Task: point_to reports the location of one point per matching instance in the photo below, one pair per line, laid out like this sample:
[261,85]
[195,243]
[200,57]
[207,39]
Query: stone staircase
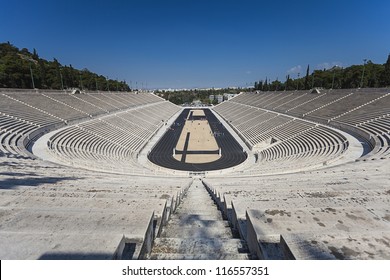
[196,231]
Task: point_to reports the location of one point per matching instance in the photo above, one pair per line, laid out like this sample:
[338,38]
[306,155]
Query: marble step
[211,256]
[190,205]
[197,220]
[189,246]
[186,231]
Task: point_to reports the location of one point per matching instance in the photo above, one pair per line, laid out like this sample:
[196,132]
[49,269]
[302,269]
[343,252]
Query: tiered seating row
[284,143]
[113,140]
[363,109]
[13,107]
[24,114]
[11,132]
[315,146]
[269,212]
[257,125]
[340,104]
[77,214]
[380,129]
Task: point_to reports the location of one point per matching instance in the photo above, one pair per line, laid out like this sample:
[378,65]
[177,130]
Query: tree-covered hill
[366,75]
[23,69]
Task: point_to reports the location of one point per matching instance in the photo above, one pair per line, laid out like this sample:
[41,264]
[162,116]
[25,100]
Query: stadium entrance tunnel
[197,141]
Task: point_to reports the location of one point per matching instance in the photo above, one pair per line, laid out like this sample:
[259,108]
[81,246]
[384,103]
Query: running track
[232,152]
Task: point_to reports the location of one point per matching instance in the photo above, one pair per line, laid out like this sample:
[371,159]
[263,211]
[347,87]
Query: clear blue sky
[199,43]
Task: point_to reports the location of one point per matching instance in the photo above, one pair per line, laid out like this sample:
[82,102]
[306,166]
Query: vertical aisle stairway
[196,231]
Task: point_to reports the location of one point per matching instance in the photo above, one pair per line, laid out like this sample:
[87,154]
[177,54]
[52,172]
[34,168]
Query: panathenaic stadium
[265,175]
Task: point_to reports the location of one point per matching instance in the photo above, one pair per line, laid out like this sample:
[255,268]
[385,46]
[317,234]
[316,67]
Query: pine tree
[35,54]
[287,82]
[307,77]
[386,73]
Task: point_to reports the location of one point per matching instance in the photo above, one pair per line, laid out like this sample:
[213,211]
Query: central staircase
[196,231]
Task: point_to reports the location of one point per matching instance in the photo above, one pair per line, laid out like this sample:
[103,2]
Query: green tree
[289,84]
[306,85]
[385,77]
[15,72]
[265,85]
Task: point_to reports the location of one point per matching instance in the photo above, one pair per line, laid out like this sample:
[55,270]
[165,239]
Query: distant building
[197,103]
[228,96]
[211,98]
[219,98]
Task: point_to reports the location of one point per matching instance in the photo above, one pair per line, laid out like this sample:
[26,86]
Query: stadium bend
[282,136]
[126,175]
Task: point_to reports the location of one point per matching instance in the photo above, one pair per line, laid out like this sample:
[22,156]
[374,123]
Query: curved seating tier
[282,142]
[317,146]
[362,112]
[26,115]
[112,141]
[51,211]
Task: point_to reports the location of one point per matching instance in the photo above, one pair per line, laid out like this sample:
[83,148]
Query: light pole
[62,82]
[298,81]
[32,77]
[81,82]
[29,59]
[364,64]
